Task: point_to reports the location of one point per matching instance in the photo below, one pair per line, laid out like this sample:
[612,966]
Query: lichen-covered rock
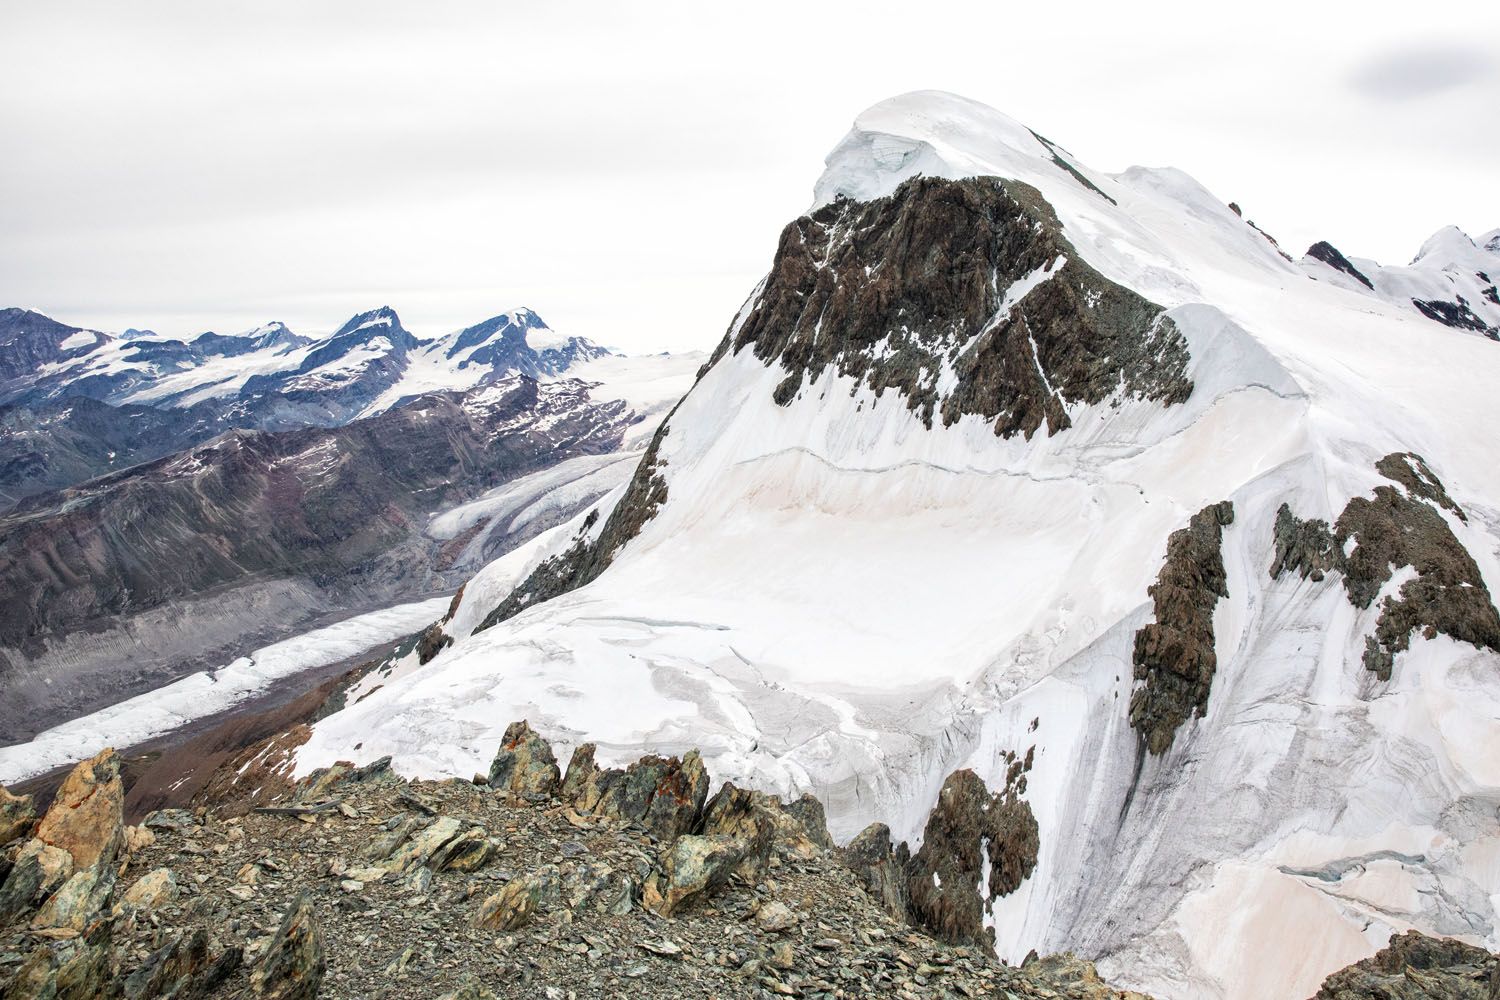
[468,852]
[521,900]
[293,964]
[422,844]
[880,866]
[72,969]
[1413,966]
[976,847]
[694,866]
[81,898]
[524,765]
[149,892]
[17,815]
[757,821]
[39,870]
[1175,658]
[86,817]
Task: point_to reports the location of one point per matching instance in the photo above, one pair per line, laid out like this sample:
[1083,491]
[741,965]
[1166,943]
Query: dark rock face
[1456,314]
[342,509]
[1175,658]
[977,847]
[895,291]
[1396,528]
[1329,254]
[1413,966]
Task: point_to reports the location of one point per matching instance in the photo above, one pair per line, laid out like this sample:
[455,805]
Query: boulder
[38,871]
[86,818]
[760,823]
[694,866]
[879,867]
[74,969]
[422,844]
[149,892]
[17,814]
[468,852]
[520,901]
[524,765]
[293,965]
[82,897]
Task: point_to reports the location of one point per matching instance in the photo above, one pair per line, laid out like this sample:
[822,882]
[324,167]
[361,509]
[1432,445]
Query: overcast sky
[624,168]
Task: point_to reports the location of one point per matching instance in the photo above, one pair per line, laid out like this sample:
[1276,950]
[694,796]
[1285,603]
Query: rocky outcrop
[1378,535]
[1174,656]
[1413,966]
[972,278]
[1329,254]
[339,869]
[524,765]
[1456,314]
[293,964]
[880,866]
[86,817]
[663,794]
[976,847]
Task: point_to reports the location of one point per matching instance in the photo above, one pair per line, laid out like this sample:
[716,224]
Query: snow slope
[837,598]
[1452,280]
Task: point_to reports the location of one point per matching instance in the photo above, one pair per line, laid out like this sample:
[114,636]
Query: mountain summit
[1074,480]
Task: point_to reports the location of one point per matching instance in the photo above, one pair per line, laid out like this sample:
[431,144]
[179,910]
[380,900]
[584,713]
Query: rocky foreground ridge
[529,882]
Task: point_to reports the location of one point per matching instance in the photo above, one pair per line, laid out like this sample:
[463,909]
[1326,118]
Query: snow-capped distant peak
[1446,246]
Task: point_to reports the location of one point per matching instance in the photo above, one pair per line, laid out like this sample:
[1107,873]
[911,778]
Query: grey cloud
[1422,71]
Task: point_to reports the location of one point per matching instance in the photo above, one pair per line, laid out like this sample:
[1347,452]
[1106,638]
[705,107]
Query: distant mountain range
[78,403]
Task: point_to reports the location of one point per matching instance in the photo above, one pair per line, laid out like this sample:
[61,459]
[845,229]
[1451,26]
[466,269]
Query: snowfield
[837,599]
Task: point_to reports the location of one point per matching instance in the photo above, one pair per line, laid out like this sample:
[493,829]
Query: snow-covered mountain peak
[1449,245]
[932,133]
